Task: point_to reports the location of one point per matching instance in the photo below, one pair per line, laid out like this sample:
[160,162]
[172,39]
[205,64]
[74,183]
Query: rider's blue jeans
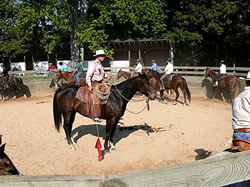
[78,75]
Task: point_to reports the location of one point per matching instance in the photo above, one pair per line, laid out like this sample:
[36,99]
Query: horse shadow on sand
[209,91]
[120,133]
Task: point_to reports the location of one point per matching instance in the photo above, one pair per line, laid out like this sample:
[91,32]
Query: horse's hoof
[72,146]
[175,103]
[14,97]
[107,151]
[25,96]
[185,104]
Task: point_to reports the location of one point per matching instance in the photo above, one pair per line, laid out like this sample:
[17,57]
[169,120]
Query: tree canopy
[203,31]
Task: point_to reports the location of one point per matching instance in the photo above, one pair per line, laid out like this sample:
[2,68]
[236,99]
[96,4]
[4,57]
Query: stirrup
[96,119]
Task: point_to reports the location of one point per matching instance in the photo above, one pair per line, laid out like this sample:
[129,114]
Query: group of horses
[65,104]
[173,81]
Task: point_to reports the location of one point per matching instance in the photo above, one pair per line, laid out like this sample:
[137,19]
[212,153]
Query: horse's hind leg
[69,118]
[184,95]
[177,96]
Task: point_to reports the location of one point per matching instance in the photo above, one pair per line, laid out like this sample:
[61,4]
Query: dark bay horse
[14,83]
[175,83]
[125,74]
[65,104]
[230,82]
[6,165]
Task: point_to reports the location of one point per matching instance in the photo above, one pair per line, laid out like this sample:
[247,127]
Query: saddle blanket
[83,94]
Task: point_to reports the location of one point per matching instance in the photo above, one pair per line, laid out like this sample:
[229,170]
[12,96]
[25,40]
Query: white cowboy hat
[248,76]
[100,52]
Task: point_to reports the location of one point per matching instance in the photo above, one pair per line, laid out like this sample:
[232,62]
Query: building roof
[135,44]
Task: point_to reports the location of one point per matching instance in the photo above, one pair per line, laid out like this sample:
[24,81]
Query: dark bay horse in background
[125,74]
[6,165]
[65,104]
[230,82]
[13,83]
[175,83]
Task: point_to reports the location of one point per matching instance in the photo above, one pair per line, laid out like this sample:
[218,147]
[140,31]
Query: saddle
[84,95]
[169,77]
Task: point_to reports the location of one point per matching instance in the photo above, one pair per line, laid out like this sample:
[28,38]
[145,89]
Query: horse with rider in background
[6,165]
[125,74]
[14,83]
[65,78]
[229,82]
[172,81]
[66,105]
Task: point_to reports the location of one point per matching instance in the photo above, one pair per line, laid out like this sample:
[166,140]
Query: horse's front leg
[109,125]
[2,95]
[161,95]
[213,96]
[113,133]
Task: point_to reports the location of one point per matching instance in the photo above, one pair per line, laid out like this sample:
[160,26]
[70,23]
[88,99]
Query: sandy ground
[166,135]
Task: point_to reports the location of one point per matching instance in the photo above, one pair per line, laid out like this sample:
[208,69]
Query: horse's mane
[127,81]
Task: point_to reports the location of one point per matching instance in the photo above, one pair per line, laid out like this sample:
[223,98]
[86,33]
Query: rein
[146,105]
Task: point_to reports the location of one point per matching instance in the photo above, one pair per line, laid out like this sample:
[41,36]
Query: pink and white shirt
[95,72]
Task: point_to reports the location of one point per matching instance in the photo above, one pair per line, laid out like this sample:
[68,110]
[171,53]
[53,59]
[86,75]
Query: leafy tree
[12,36]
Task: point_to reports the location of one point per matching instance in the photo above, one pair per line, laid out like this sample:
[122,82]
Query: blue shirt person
[154,66]
[62,67]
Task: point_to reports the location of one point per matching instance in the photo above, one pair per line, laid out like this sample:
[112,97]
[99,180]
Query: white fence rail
[182,70]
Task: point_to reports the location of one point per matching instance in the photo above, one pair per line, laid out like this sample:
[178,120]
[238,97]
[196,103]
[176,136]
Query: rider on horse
[95,76]
[223,73]
[78,71]
[154,66]
[168,70]
[5,75]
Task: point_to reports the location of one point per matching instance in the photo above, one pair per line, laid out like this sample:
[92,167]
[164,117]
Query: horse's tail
[56,111]
[186,89]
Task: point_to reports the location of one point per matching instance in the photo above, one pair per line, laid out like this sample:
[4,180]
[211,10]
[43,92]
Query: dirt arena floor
[166,135]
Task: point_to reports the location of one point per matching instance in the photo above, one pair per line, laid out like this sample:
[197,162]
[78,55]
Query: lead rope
[98,145]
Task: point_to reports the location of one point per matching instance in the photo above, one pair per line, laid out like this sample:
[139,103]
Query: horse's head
[209,73]
[58,76]
[119,74]
[6,165]
[145,87]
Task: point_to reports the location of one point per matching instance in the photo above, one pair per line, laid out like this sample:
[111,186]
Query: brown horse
[65,104]
[6,165]
[175,83]
[68,78]
[230,82]
[126,75]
